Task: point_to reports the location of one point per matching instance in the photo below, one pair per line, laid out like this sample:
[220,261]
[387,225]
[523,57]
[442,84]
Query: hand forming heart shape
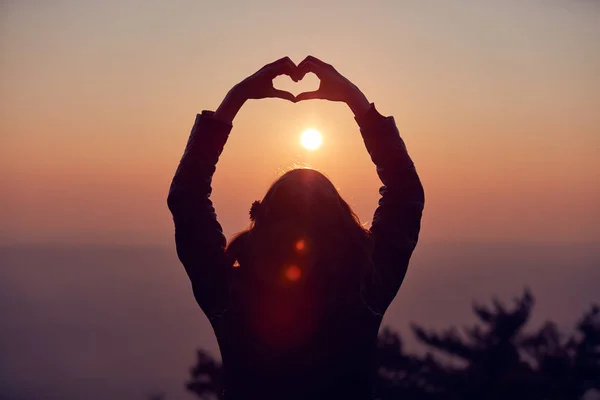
[309,82]
[333,86]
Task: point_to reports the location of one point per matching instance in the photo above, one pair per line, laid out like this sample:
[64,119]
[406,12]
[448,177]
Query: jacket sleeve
[397,219]
[198,235]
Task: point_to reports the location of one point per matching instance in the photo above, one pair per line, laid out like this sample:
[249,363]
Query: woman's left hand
[334,86]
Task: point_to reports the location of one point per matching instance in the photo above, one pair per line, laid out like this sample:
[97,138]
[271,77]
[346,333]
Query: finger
[316,94]
[285,59]
[316,68]
[316,61]
[282,94]
[308,66]
[283,66]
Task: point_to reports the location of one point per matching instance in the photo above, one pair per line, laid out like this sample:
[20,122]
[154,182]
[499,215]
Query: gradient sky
[498,103]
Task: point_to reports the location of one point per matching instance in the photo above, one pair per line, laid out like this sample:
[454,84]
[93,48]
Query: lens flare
[300,245]
[293,273]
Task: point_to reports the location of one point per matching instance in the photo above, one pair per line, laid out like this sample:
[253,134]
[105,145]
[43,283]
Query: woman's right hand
[260,84]
[257,86]
[334,86]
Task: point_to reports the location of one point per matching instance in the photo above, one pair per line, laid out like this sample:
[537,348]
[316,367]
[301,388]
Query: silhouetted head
[303,233]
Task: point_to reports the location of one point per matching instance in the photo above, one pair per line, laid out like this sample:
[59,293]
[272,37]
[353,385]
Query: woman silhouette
[297,299]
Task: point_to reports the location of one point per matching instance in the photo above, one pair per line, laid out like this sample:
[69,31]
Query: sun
[311,139]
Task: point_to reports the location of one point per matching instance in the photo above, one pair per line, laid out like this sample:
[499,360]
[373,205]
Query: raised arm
[198,235]
[397,220]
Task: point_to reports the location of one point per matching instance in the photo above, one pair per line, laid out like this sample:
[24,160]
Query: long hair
[303,234]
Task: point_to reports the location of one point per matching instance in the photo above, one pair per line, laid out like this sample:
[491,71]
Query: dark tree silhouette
[484,361]
[567,366]
[495,359]
[206,377]
[404,376]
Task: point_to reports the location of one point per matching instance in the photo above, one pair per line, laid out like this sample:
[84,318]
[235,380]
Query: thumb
[282,94]
[310,95]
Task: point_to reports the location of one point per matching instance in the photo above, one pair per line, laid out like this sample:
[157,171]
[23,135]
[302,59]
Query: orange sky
[498,106]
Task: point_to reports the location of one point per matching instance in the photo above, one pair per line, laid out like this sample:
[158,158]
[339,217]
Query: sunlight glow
[311,139]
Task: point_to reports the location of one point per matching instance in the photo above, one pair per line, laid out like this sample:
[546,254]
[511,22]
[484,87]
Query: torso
[293,344]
